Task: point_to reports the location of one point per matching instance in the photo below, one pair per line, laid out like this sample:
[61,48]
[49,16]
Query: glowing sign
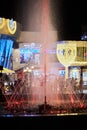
[28,54]
[8,26]
[12,26]
[2,23]
[66,53]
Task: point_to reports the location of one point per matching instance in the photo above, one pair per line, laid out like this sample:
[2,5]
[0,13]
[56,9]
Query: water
[29,99]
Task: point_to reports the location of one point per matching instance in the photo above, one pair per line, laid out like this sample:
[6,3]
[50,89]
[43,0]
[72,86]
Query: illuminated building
[73,55]
[9,33]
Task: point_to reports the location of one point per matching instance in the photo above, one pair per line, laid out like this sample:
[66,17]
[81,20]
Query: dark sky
[68,15]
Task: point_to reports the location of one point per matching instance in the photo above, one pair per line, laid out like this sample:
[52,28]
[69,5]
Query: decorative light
[27,69]
[84,36]
[12,26]
[2,22]
[32,67]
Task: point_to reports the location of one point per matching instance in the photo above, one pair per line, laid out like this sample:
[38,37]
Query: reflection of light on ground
[40,115]
[67,114]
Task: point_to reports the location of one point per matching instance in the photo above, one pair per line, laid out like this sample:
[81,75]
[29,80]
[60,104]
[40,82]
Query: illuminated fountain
[46,89]
[29,96]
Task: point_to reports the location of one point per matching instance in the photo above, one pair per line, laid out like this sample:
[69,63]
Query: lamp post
[28,78]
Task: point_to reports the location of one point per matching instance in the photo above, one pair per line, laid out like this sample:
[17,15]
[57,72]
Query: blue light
[84,36]
[6,45]
[7,115]
[35,51]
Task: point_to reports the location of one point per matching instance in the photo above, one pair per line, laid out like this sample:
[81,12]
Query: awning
[8,71]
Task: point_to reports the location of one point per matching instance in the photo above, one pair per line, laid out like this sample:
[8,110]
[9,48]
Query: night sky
[68,15]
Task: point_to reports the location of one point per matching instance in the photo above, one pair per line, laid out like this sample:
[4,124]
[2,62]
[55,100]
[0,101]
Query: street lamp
[28,81]
[28,71]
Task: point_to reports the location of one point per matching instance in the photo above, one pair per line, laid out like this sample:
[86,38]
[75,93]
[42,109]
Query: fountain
[60,96]
[46,92]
